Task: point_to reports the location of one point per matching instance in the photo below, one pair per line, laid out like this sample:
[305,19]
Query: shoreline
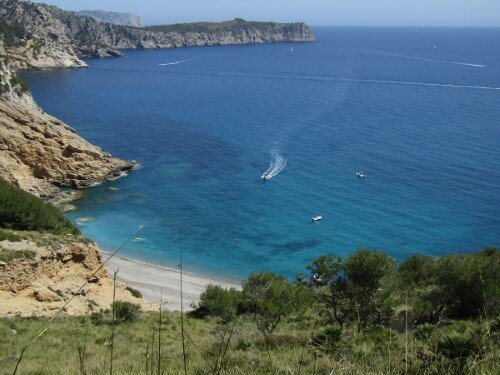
[157,282]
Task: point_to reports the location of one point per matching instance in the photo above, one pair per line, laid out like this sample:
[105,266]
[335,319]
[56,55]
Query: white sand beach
[154,281]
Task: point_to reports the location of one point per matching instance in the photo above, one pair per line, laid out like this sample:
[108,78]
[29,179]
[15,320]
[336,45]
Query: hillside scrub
[362,314]
[22,211]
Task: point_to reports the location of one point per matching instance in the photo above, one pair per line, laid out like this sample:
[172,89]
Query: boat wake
[278,163]
[418,58]
[176,62]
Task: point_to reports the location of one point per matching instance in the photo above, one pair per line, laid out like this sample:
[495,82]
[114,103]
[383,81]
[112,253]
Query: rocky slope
[125,19]
[39,153]
[41,285]
[55,38]
[43,43]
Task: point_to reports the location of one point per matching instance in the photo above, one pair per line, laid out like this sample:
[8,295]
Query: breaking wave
[278,162]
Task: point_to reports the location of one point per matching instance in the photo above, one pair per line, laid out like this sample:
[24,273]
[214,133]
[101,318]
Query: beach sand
[154,281]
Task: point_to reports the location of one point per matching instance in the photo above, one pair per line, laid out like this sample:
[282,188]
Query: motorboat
[265,177]
[316,218]
[360,174]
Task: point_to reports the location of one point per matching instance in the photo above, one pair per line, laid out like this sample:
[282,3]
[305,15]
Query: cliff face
[56,38]
[39,153]
[44,43]
[125,19]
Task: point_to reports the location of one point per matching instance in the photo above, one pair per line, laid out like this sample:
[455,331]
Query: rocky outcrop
[39,153]
[124,19]
[44,43]
[41,285]
[12,88]
[55,38]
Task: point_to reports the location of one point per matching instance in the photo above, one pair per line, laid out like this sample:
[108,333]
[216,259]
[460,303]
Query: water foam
[278,163]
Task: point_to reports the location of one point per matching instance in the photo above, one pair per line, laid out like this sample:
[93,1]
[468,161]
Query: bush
[456,346]
[417,270]
[12,33]
[465,286]
[244,344]
[219,302]
[328,338]
[126,311]
[270,298]
[367,272]
[16,81]
[9,236]
[424,331]
[8,256]
[134,292]
[23,211]
[97,318]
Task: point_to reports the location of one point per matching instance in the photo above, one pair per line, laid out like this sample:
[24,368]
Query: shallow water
[417,110]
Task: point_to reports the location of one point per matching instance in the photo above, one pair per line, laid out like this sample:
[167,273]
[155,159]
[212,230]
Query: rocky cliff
[125,19]
[55,38]
[40,41]
[39,153]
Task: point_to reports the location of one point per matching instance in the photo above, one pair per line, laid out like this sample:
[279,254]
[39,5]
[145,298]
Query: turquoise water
[417,110]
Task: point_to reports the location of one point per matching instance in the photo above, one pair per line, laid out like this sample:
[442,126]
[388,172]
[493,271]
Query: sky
[314,12]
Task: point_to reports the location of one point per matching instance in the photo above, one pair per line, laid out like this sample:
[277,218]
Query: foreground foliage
[23,211]
[76,345]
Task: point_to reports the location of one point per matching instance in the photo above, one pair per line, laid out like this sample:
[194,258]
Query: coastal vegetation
[237,26]
[12,33]
[23,211]
[361,314]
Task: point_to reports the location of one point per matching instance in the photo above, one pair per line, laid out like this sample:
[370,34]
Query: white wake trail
[176,62]
[418,58]
[278,162]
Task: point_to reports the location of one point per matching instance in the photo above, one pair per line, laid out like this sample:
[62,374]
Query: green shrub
[456,346]
[271,298]
[328,338]
[126,311]
[9,236]
[134,292]
[17,81]
[466,286]
[424,331]
[495,325]
[8,256]
[97,318]
[244,344]
[417,270]
[22,211]
[219,302]
[12,32]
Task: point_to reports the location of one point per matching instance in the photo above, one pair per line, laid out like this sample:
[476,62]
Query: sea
[416,111]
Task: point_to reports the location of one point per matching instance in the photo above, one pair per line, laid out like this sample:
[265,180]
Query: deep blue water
[402,105]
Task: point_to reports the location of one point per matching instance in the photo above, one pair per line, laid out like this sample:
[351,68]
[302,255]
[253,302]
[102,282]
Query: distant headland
[47,37]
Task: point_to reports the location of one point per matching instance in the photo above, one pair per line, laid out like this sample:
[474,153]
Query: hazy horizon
[445,13]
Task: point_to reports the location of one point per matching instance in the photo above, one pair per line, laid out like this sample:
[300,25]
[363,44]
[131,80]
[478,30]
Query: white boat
[265,177]
[316,218]
[360,174]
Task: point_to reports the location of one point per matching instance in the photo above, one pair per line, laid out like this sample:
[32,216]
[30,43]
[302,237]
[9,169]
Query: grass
[9,236]
[8,256]
[136,347]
